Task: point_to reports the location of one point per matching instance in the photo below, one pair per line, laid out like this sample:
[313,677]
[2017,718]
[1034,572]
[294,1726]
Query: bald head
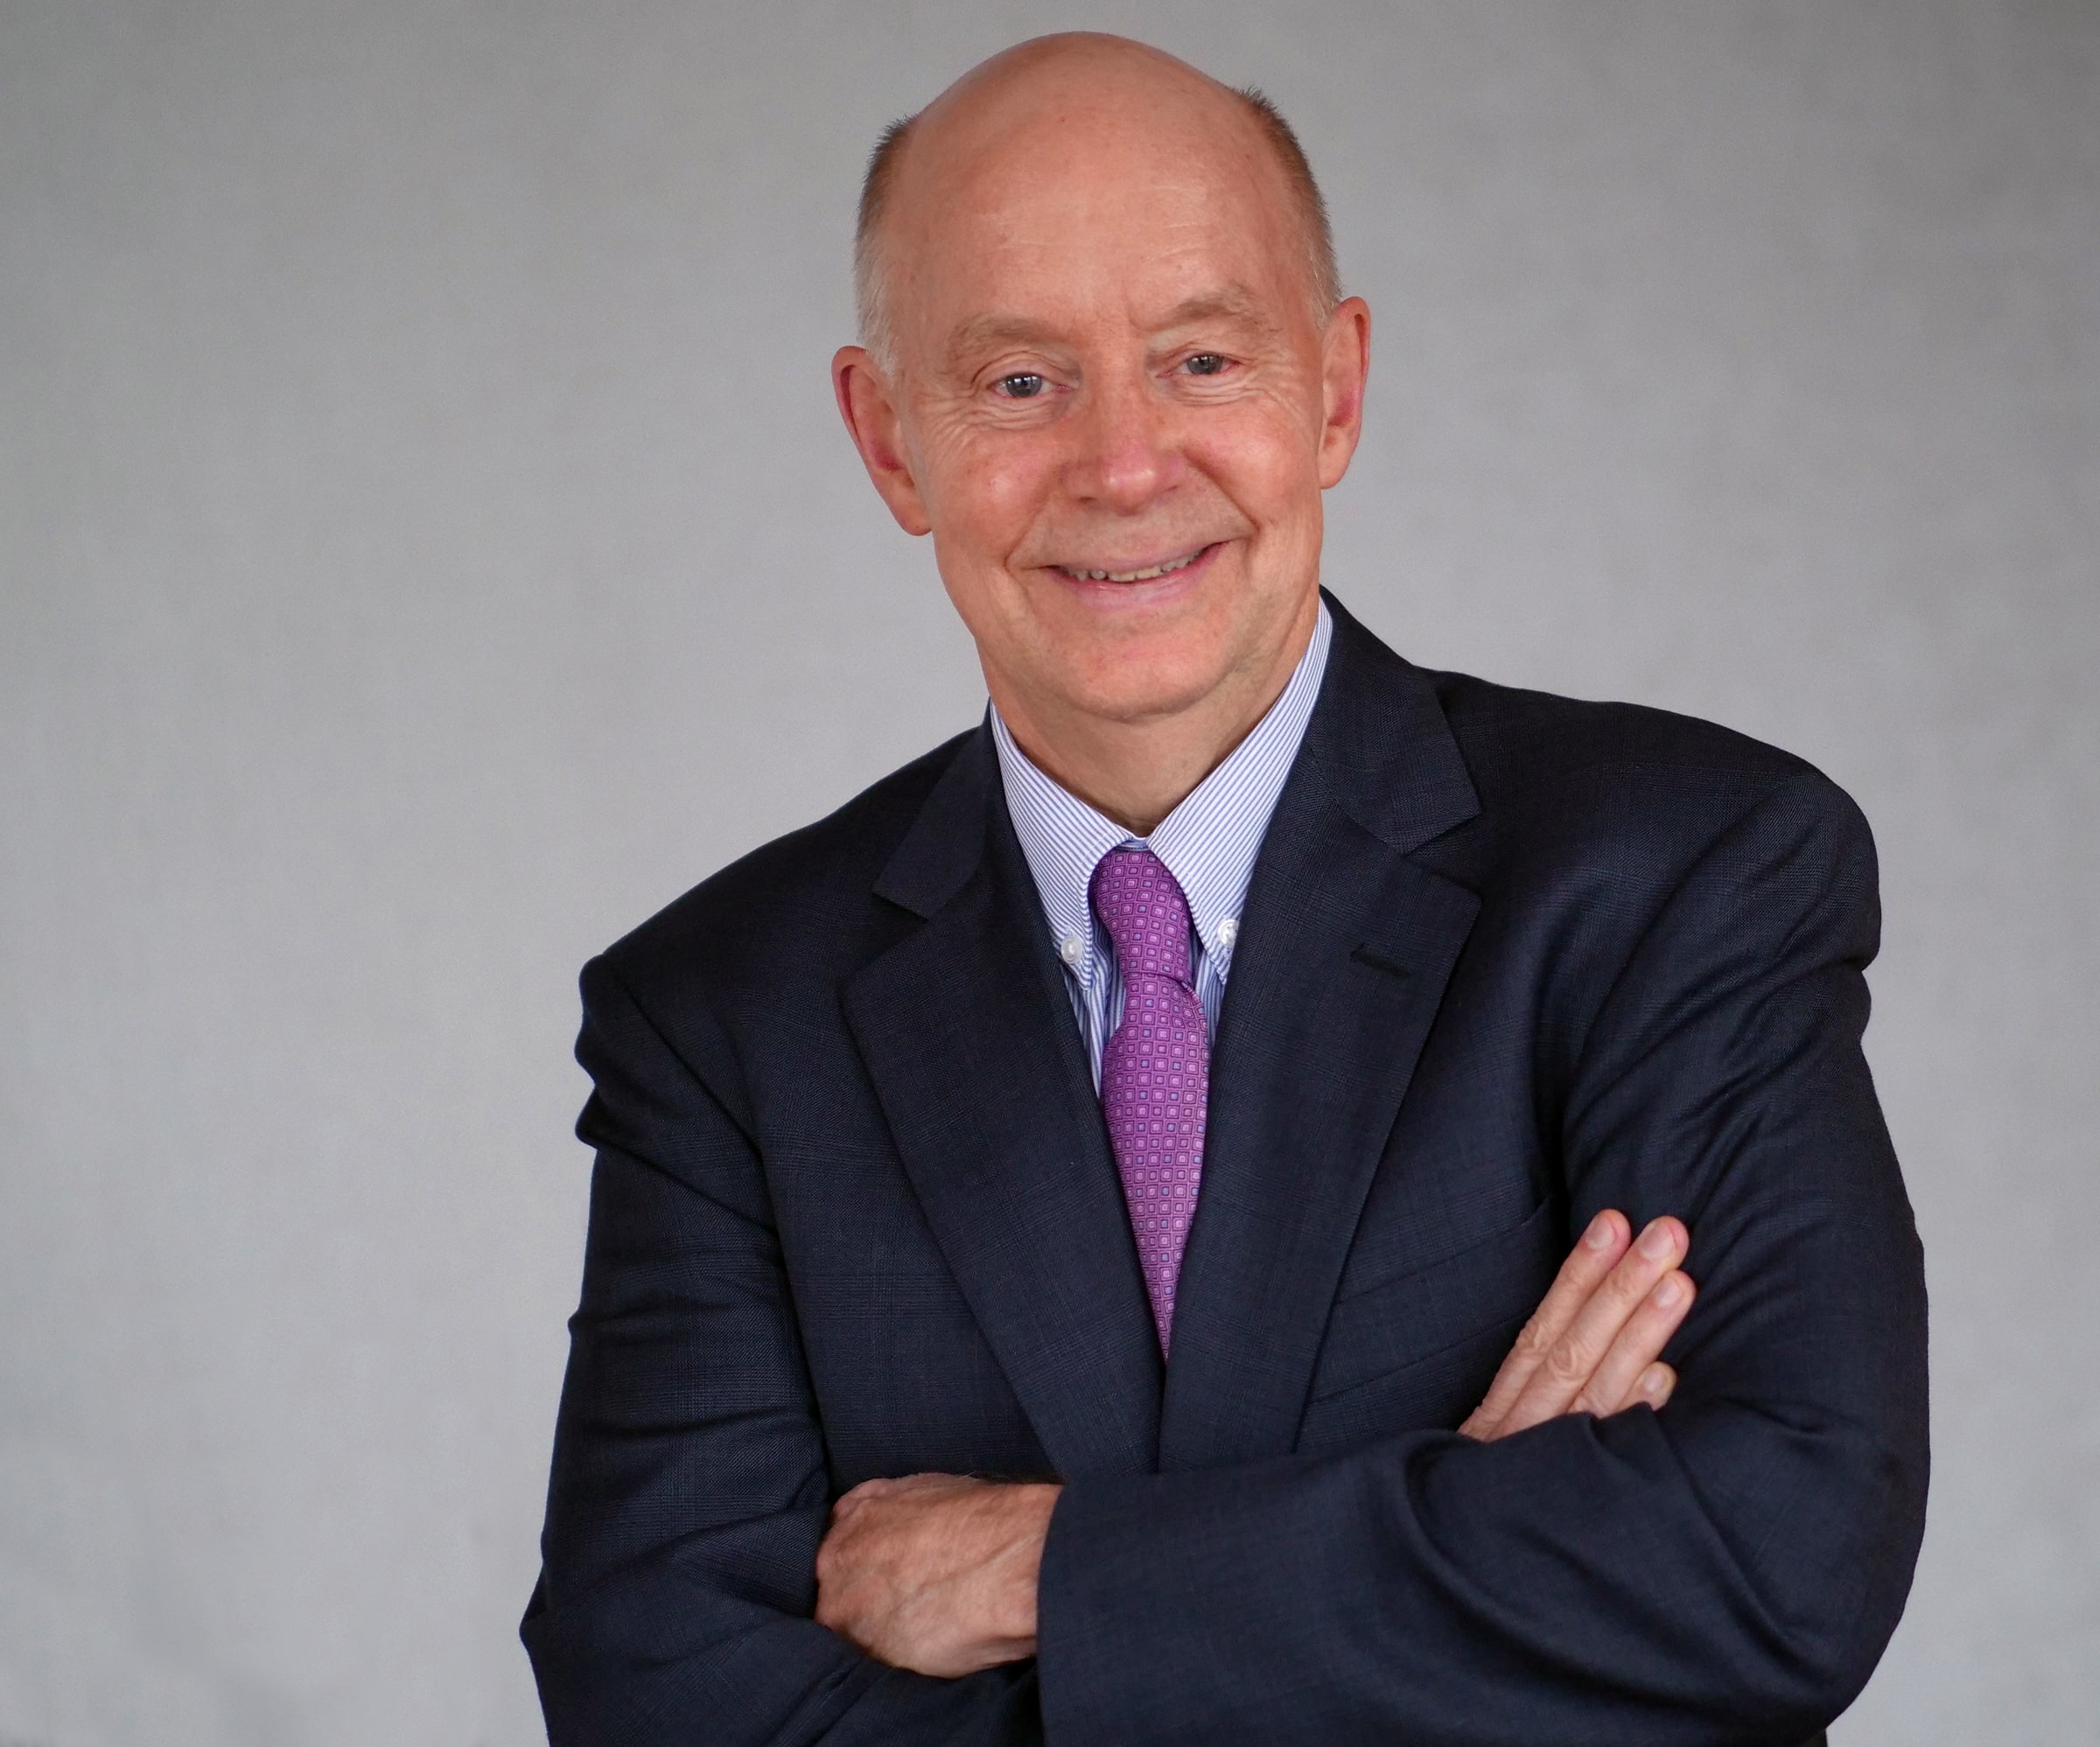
[1021,101]
[1107,371]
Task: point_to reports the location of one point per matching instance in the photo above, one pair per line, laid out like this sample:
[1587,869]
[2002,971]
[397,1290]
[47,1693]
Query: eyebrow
[1228,303]
[986,334]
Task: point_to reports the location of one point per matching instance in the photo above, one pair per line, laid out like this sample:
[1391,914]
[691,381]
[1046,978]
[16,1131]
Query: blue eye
[1206,364]
[1025,386]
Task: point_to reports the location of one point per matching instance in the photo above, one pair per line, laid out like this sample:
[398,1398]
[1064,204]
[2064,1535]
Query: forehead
[1085,210]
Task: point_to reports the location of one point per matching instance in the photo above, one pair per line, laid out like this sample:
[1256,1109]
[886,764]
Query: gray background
[427,547]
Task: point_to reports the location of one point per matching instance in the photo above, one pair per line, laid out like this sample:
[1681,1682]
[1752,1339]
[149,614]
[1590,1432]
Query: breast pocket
[1433,1328]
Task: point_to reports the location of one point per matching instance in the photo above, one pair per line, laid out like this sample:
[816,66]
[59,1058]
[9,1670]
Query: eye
[1023,385]
[1205,363]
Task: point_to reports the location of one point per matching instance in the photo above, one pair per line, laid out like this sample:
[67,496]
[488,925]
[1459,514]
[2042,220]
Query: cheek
[984,495]
[1264,460]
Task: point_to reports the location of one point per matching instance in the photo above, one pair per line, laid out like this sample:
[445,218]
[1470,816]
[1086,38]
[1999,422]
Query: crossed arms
[1729,1570]
[938,1573]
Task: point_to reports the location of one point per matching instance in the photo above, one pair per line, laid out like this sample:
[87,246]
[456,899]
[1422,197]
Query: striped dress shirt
[1208,842]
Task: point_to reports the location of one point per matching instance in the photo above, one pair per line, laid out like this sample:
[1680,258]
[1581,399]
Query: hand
[935,1572]
[1593,1345]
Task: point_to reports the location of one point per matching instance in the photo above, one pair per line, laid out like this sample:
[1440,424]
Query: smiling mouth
[1080,574]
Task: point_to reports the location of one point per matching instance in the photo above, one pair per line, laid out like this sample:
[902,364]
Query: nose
[1125,457]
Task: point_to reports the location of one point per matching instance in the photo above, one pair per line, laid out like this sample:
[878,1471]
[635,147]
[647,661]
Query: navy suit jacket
[1506,960]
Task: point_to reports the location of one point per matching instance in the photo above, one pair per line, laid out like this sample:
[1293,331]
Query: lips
[1144,574]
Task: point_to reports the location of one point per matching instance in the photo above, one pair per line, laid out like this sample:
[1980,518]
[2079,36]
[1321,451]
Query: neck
[1137,770]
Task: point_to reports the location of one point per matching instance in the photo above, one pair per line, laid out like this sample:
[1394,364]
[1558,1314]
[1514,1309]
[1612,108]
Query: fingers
[1615,1382]
[936,1573]
[1587,1266]
[856,1500]
[1569,1364]
[1657,1383]
[855,1496]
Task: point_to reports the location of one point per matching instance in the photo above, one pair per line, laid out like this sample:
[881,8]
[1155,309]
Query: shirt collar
[1208,842]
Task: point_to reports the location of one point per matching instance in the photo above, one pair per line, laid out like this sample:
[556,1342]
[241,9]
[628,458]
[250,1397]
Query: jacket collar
[1343,954]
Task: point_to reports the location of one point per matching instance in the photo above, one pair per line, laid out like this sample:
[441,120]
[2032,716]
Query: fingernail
[1599,1234]
[1670,1292]
[1657,1241]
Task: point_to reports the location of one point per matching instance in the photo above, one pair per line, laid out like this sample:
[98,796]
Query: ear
[868,404]
[1345,365]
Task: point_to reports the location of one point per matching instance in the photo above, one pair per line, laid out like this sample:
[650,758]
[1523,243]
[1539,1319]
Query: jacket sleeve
[688,1490]
[1728,1571]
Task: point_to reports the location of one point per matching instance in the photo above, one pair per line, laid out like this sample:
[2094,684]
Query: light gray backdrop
[427,547]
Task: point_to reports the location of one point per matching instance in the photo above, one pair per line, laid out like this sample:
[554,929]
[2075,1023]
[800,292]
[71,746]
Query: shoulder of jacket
[791,882]
[1642,785]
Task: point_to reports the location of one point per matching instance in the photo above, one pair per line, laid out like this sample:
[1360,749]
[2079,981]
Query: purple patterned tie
[1155,1069]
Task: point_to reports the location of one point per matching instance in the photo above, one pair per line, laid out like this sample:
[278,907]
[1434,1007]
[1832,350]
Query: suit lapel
[1346,946]
[966,1031]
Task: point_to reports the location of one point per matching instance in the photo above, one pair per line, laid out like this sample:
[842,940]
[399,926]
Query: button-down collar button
[1072,949]
[1228,931]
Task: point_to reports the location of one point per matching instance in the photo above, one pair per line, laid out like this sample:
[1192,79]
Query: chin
[1132,690]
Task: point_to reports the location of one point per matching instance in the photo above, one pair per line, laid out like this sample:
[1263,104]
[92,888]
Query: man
[1061,1223]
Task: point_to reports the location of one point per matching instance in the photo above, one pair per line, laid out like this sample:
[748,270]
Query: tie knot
[1141,905]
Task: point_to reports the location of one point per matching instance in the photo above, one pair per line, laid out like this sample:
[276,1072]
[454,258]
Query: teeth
[1168,568]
